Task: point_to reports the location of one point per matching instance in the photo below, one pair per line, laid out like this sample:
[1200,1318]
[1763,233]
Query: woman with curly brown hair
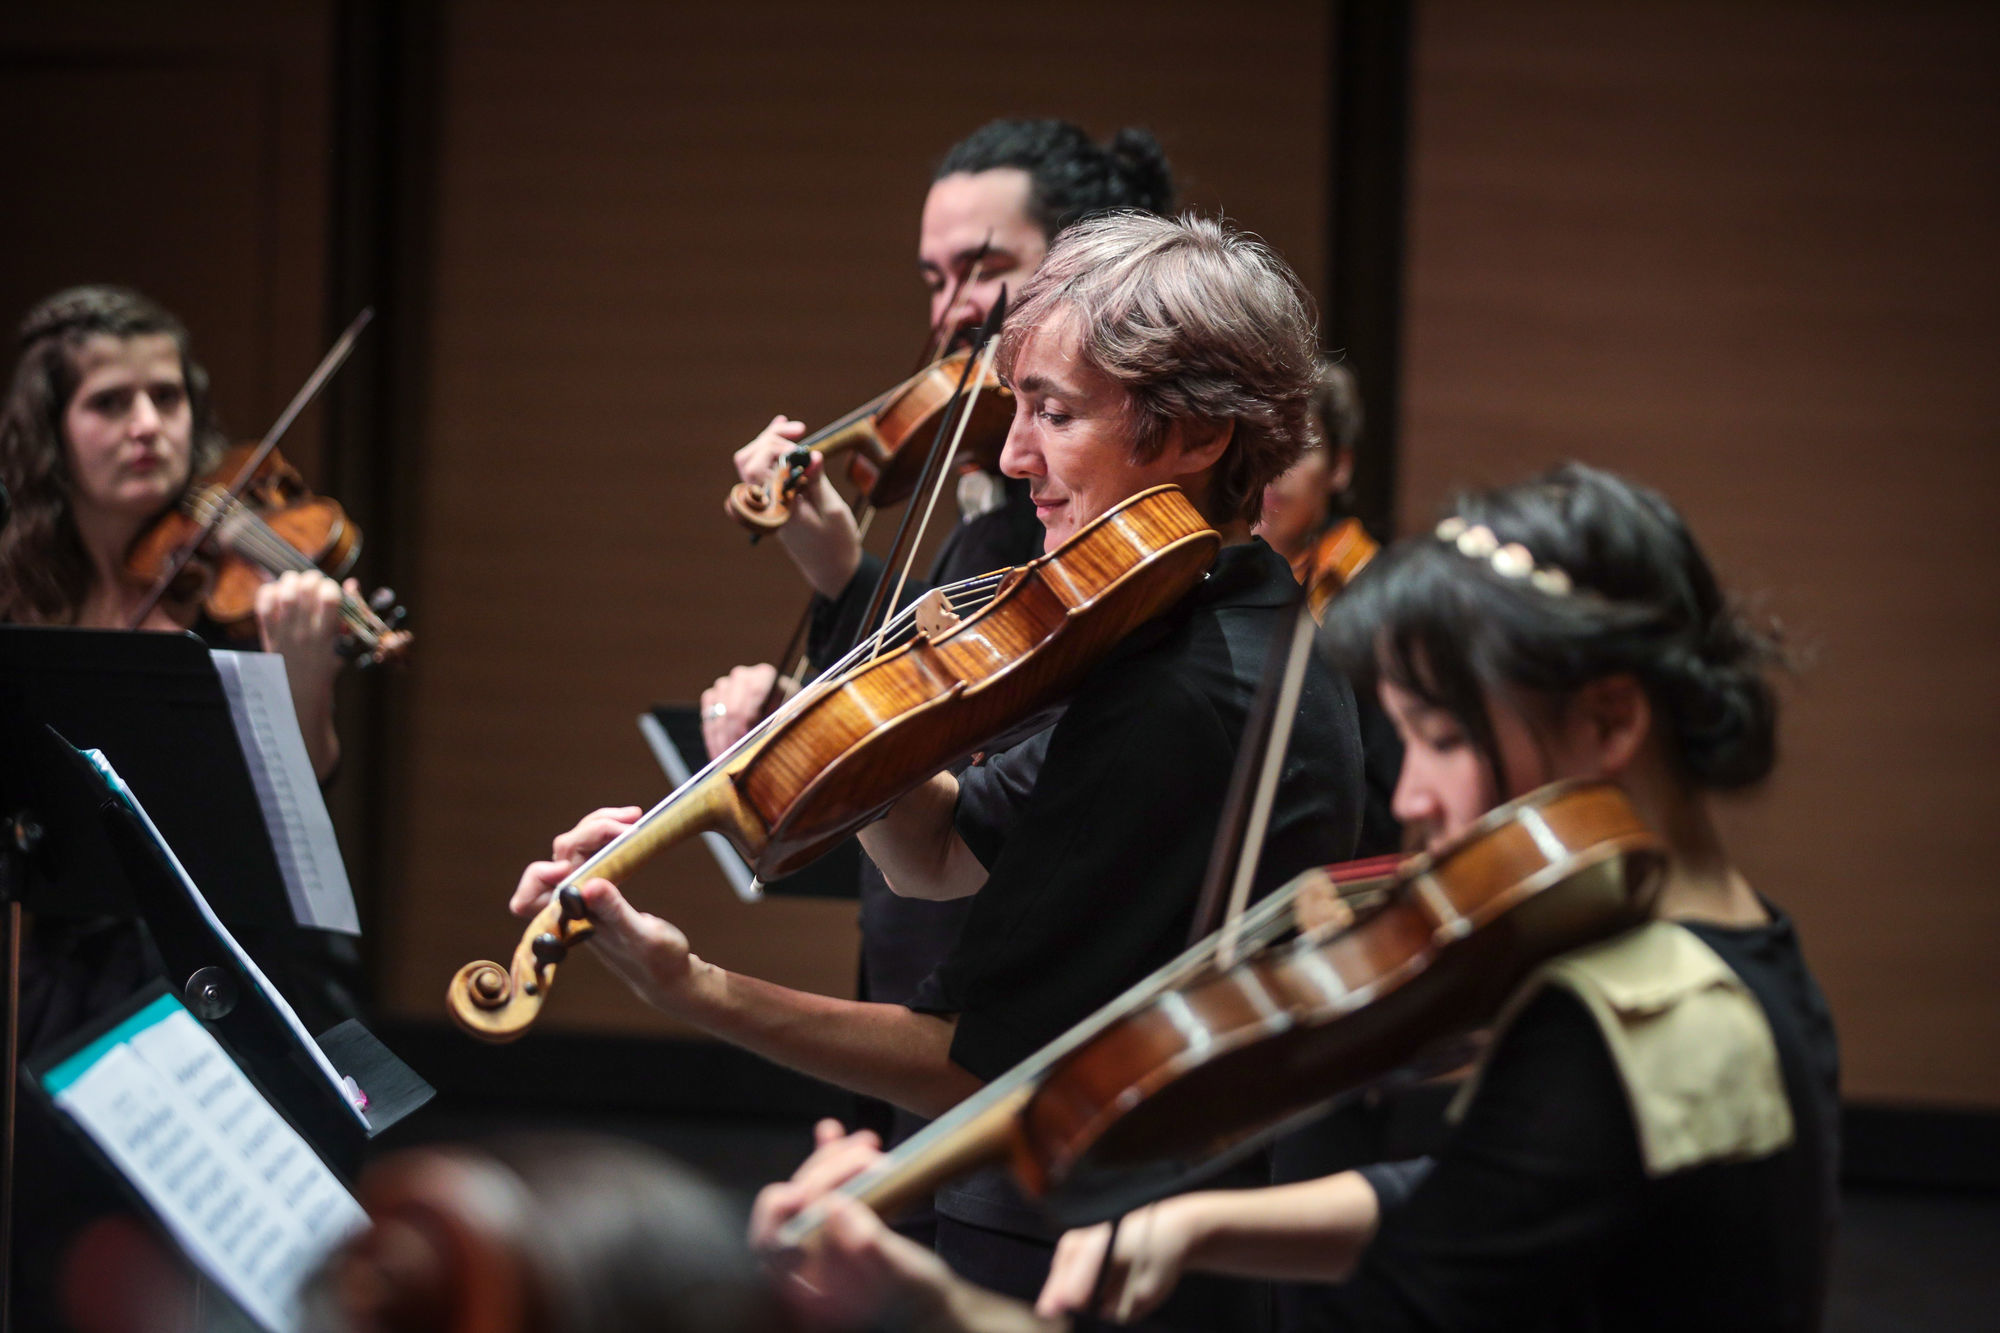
[106,424]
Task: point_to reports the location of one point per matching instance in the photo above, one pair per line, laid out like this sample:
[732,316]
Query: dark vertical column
[1362,312]
[388,65]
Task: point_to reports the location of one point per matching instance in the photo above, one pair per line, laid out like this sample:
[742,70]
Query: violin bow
[985,360]
[335,357]
[1253,783]
[940,337]
[1246,817]
[903,550]
[794,652]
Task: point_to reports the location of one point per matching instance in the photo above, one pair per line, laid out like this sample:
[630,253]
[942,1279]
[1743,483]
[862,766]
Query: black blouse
[1094,884]
[1538,1214]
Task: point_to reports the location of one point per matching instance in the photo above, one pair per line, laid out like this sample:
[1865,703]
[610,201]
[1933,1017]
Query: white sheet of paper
[248,964]
[260,700]
[241,1192]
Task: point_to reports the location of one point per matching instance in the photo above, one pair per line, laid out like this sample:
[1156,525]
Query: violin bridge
[934,615]
[1318,909]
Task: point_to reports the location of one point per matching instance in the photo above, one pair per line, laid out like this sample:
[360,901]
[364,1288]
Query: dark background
[1746,253]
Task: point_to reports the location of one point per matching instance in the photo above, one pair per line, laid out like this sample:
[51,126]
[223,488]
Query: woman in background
[107,423]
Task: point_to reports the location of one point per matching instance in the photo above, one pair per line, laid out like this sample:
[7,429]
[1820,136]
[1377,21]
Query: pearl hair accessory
[1475,541]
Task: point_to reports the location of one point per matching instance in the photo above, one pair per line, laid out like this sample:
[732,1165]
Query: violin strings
[257,540]
[991,350]
[1264,922]
[902,624]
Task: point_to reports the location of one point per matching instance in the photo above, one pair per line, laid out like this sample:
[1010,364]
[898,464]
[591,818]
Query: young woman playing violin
[1143,352]
[106,424]
[1651,1140]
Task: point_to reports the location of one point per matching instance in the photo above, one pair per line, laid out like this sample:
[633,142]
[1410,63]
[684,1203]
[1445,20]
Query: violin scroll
[497,1004]
[387,646]
[874,435]
[766,507]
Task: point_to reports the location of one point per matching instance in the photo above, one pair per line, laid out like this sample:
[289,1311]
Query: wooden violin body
[849,745]
[1354,976]
[1181,1084]
[274,525]
[883,469]
[1332,561]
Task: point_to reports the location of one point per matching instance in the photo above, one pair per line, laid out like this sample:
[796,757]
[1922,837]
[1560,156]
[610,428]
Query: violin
[902,706]
[273,525]
[1331,562]
[1345,974]
[875,434]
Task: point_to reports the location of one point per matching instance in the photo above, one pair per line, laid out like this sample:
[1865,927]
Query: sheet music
[344,1086]
[241,1192]
[260,700]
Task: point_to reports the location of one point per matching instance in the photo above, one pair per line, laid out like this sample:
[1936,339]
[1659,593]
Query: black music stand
[673,733]
[71,847]
[155,705]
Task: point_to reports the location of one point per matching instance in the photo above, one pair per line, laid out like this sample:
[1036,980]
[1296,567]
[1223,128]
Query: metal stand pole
[12,1077]
[20,834]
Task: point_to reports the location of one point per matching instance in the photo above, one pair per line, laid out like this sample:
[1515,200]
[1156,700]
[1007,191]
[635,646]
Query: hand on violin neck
[821,537]
[298,614]
[647,953]
[568,851]
[764,457]
[855,1269]
[298,617]
[837,1158]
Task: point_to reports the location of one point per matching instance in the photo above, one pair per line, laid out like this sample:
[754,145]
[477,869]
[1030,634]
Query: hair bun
[1141,168]
[1725,708]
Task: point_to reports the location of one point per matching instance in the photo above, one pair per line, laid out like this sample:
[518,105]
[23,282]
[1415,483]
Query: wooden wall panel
[658,226]
[1747,254]
[181,150]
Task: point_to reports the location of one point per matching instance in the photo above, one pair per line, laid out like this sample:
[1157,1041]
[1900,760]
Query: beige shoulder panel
[1690,1042]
